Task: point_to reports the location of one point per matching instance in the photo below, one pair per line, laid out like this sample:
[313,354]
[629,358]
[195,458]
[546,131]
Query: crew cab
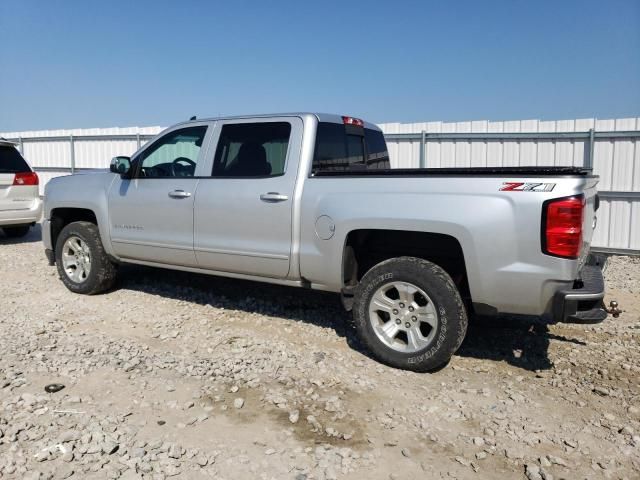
[309,200]
[20,203]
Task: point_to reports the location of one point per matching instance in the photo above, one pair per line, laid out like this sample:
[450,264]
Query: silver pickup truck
[309,200]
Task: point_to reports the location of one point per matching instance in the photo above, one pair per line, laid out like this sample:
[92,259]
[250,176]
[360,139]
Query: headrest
[252,153]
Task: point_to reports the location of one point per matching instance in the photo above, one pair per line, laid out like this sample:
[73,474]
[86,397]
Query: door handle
[179,194]
[273,197]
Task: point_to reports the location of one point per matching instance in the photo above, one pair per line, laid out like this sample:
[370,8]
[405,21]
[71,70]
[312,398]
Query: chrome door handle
[273,197]
[179,194]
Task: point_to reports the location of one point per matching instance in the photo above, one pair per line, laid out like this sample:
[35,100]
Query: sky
[81,64]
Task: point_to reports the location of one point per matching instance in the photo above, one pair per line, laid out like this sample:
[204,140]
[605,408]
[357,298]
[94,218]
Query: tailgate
[16,197]
[7,192]
[589,221]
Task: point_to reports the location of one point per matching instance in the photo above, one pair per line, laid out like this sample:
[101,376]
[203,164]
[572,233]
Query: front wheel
[16,232]
[409,314]
[83,265]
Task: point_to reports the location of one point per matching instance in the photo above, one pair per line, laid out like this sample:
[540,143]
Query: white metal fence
[53,153]
[610,147]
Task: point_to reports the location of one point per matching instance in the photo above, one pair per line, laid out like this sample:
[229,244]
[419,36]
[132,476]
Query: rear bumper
[584,302]
[21,217]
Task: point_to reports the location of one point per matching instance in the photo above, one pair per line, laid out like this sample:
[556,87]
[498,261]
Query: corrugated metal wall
[505,153]
[52,157]
[616,160]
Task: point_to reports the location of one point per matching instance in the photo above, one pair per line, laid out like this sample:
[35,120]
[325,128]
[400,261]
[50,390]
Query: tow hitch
[613,309]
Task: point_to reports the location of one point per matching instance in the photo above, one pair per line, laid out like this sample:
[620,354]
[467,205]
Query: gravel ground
[623,274]
[188,376]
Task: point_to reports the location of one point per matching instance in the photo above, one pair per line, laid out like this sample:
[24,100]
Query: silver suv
[20,203]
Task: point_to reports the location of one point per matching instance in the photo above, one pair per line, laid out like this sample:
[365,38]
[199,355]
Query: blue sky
[114,63]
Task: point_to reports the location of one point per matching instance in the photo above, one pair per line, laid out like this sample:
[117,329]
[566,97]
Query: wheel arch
[367,247]
[63,216]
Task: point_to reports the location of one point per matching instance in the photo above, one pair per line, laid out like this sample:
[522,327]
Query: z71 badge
[526,187]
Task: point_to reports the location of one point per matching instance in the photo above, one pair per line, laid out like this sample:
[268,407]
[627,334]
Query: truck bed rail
[475,171]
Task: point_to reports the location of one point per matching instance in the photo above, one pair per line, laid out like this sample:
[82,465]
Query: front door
[151,214]
[243,210]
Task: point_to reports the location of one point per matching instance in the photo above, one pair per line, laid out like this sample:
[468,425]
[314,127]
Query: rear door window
[252,150]
[11,161]
[341,148]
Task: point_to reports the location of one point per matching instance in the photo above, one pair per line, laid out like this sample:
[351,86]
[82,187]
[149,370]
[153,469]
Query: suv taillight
[26,178]
[562,226]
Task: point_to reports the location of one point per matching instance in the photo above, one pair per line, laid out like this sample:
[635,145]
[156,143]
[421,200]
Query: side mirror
[120,165]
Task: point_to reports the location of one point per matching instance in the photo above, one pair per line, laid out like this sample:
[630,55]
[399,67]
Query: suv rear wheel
[16,232]
[409,313]
[82,263]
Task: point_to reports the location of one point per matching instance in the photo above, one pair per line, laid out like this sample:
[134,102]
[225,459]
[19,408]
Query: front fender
[81,191]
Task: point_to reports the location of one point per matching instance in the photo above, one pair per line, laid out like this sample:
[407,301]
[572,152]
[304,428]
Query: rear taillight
[562,226]
[26,178]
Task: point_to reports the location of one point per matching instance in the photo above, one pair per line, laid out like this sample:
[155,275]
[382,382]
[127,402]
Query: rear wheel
[82,263]
[409,313]
[16,232]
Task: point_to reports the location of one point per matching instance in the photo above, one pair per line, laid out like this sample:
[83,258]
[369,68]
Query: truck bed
[474,171]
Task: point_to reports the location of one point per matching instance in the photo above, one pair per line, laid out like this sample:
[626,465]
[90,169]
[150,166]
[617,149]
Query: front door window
[174,155]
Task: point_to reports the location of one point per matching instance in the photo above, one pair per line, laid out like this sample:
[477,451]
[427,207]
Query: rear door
[21,195]
[243,210]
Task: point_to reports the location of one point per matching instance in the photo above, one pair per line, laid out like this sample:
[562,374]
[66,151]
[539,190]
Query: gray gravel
[187,376]
[623,273]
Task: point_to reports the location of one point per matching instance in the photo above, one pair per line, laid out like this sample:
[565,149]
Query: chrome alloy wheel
[76,259]
[403,317]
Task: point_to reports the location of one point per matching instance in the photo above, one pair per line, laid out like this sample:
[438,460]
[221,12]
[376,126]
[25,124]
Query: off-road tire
[102,274]
[438,285]
[16,232]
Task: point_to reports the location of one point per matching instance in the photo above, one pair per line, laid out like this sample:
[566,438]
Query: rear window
[11,161]
[377,154]
[344,148]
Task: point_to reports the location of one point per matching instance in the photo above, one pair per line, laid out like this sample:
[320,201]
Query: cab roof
[322,117]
